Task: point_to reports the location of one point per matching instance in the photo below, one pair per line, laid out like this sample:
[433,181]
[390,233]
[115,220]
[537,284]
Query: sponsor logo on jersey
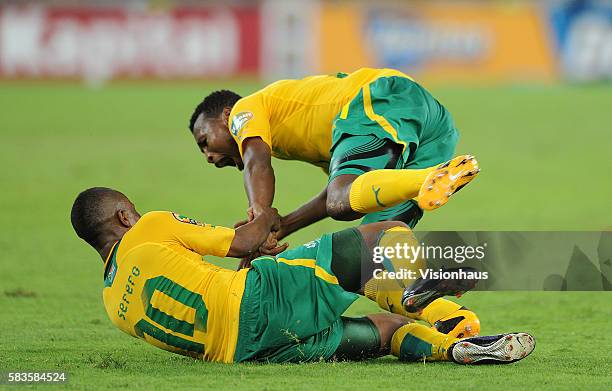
[112,271]
[239,120]
[185,219]
[112,267]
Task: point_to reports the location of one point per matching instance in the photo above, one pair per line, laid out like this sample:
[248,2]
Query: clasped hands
[270,246]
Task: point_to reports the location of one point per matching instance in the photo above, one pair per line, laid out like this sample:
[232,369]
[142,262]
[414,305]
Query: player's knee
[336,210]
[338,202]
[387,325]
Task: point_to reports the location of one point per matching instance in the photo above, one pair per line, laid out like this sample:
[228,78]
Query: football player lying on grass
[285,308]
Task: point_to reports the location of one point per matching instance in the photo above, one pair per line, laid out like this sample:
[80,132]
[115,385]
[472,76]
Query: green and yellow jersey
[158,288]
[295,117]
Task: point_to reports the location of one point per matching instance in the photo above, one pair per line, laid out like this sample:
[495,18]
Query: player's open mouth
[224,162]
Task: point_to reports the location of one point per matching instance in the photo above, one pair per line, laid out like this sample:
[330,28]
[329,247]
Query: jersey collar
[111,255]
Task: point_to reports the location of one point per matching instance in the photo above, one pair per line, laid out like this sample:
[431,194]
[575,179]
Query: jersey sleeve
[204,239]
[250,118]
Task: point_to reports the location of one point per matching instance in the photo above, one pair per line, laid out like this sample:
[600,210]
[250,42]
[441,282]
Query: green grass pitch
[545,155]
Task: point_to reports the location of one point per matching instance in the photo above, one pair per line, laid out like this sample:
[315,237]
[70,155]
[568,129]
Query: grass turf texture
[546,166]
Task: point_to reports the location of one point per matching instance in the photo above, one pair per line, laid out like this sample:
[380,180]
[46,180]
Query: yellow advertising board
[438,40]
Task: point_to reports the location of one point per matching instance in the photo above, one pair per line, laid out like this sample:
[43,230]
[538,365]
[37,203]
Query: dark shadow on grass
[387,361]
[20,292]
[105,361]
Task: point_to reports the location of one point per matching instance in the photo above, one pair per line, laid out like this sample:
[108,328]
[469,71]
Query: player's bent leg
[368,337]
[380,189]
[352,264]
[398,291]
[350,196]
[352,156]
[415,342]
[338,204]
[401,272]
[352,254]
[387,325]
[444,315]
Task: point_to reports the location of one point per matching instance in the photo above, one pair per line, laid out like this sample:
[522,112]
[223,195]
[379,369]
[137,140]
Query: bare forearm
[309,213]
[259,183]
[258,172]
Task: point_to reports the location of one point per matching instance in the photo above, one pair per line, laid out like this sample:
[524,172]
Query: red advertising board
[111,42]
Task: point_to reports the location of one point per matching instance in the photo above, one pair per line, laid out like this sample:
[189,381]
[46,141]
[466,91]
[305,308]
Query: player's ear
[225,115]
[124,218]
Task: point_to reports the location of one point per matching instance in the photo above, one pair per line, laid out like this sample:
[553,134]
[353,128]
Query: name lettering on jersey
[185,219]
[127,295]
[239,120]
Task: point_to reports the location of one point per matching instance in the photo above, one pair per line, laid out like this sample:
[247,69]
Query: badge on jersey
[239,120]
[185,219]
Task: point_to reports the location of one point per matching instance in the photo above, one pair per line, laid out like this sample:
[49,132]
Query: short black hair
[213,105]
[88,214]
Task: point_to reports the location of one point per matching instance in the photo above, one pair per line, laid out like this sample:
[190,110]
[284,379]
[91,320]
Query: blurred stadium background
[444,41]
[98,93]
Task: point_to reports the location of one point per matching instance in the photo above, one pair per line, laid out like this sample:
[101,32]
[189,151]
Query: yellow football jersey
[295,117]
[158,288]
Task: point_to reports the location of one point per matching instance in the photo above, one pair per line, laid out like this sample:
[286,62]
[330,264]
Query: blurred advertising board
[439,40]
[100,43]
[583,35]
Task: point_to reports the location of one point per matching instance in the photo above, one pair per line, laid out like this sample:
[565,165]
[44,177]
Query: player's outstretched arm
[309,213]
[252,235]
[258,172]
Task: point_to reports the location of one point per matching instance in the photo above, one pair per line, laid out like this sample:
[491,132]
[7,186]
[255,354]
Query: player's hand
[283,230]
[271,246]
[269,213]
[245,262]
[250,217]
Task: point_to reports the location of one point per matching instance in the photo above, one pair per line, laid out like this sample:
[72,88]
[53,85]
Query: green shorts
[399,110]
[393,123]
[291,307]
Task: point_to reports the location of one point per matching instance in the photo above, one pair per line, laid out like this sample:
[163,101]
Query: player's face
[213,138]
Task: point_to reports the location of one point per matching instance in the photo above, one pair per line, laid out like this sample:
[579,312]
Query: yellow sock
[387,292]
[380,189]
[414,342]
[388,297]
